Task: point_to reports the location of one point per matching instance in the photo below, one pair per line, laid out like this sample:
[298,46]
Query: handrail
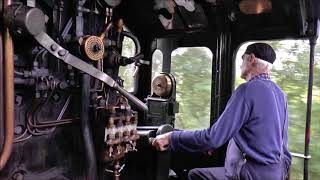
[313,42]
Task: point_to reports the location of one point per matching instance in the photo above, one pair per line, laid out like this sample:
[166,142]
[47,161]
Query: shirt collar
[261,76]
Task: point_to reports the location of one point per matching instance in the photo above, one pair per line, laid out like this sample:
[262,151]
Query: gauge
[162,85]
[93,47]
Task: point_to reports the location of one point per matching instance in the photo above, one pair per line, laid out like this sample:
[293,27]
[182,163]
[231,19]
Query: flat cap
[262,51]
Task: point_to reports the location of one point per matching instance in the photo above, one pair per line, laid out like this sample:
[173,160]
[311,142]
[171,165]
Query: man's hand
[161,142]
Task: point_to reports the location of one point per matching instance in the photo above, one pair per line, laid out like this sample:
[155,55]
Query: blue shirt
[256,117]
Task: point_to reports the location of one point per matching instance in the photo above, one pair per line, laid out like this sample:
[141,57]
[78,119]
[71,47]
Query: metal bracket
[299,155]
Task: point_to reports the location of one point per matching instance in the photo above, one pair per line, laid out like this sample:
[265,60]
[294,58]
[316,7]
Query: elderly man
[255,122]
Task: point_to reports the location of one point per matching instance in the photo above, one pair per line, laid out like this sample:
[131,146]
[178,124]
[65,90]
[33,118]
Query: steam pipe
[9,99]
[26,82]
[86,130]
[135,41]
[1,79]
[85,121]
[8,94]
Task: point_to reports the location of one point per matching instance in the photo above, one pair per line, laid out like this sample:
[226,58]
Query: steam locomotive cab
[66,111]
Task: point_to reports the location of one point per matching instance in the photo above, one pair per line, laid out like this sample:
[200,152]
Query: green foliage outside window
[126,72]
[192,68]
[157,62]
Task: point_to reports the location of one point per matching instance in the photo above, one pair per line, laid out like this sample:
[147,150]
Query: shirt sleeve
[229,123]
[286,152]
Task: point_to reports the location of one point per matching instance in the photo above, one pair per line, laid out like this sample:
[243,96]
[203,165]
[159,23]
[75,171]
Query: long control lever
[33,21]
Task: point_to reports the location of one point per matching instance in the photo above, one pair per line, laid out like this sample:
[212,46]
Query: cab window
[192,67]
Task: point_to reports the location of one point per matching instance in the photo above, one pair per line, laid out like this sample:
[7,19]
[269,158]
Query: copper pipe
[8,94]
[1,82]
[21,136]
[9,98]
[23,139]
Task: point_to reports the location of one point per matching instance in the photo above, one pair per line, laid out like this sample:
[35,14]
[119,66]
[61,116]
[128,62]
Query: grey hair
[261,64]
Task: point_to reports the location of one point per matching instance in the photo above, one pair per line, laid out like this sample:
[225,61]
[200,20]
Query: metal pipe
[135,41]
[30,119]
[86,130]
[313,42]
[9,98]
[26,82]
[79,19]
[97,82]
[1,80]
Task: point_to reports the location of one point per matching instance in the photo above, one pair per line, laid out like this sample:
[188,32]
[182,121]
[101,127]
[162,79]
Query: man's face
[245,66]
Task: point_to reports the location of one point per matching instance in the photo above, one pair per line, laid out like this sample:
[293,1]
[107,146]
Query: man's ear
[252,58]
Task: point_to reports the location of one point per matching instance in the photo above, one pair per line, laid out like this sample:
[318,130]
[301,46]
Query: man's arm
[229,123]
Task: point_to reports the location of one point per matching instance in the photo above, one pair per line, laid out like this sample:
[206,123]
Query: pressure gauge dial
[162,85]
[93,47]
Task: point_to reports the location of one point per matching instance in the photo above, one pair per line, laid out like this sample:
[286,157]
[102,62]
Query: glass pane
[126,72]
[192,68]
[290,71]
[157,61]
[296,171]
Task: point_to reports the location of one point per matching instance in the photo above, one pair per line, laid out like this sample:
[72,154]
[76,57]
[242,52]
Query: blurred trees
[126,73]
[292,76]
[192,68]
